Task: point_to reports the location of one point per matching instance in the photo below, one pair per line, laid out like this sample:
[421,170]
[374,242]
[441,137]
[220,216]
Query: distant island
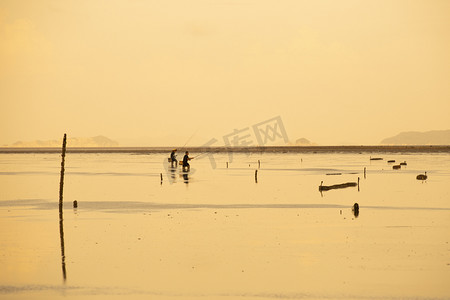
[301,142]
[96,141]
[435,137]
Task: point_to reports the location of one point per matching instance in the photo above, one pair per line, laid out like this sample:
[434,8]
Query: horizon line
[224,149]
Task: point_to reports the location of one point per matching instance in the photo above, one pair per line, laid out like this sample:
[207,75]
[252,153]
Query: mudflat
[217,233]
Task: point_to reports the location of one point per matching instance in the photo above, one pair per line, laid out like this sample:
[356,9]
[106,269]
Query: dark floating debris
[334,173]
[391,161]
[403,163]
[337,186]
[355,210]
[396,167]
[422,176]
[376,158]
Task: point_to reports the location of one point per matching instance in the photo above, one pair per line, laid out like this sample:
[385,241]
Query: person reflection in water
[186,178]
[186,159]
[172,174]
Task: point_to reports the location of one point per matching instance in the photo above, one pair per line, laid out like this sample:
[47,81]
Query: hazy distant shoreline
[281,149]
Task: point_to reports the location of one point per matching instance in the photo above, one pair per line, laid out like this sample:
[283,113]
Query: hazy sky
[337,72]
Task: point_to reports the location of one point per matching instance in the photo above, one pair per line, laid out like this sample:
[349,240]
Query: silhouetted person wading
[186,160]
[173,157]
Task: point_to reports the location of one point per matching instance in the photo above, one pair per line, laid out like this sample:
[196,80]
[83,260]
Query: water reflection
[173,176]
[186,178]
[61,235]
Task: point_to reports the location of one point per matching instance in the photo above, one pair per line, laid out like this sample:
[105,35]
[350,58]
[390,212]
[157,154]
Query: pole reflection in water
[61,235]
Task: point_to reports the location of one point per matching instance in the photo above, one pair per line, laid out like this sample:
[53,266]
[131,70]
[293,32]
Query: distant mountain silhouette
[435,137]
[301,142]
[96,141]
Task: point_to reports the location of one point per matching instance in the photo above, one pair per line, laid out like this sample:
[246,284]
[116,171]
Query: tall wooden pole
[61,180]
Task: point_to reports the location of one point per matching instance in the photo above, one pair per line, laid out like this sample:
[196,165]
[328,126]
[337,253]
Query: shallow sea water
[216,233]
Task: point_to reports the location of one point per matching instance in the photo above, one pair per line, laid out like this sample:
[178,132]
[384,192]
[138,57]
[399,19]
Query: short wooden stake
[355,210]
[256,175]
[259,164]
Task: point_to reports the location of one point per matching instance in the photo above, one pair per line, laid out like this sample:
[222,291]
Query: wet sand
[236,254]
[221,235]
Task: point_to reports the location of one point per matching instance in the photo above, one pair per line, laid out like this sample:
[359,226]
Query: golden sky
[337,72]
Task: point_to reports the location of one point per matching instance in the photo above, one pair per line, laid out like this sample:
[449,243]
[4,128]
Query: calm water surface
[216,233]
